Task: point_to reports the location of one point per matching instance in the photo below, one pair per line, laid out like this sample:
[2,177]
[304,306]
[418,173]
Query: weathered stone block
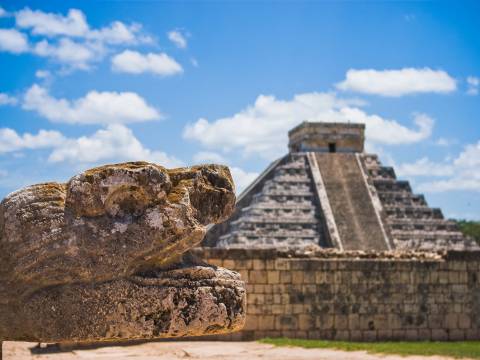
[439,334]
[258,264]
[456,335]
[267,322]
[103,256]
[257,276]
[306,322]
[273,277]
[297,277]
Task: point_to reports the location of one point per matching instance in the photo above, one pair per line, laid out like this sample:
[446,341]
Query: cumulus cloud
[134,62]
[70,53]
[68,39]
[94,108]
[398,82]
[209,157]
[75,24]
[115,143]
[262,128]
[13,41]
[177,38]
[43,74]
[242,178]
[424,167]
[10,140]
[6,99]
[460,173]
[41,23]
[473,85]
[445,142]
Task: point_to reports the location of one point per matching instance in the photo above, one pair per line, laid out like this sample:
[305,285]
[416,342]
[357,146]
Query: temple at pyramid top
[326,191]
[327,137]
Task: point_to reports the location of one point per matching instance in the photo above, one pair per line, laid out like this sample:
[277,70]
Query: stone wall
[316,136]
[356,295]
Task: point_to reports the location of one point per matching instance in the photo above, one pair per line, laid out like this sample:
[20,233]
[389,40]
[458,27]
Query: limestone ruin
[104,256]
[327,192]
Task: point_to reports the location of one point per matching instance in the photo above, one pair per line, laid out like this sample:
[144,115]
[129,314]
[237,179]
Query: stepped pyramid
[326,191]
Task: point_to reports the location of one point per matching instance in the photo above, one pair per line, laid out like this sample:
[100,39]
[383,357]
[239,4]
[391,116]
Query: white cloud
[398,82]
[41,23]
[242,178]
[75,24]
[11,141]
[461,173]
[176,37]
[209,157]
[74,55]
[3,12]
[115,143]
[119,33]
[43,74]
[473,84]
[68,39]
[13,41]
[262,127]
[94,108]
[387,131]
[424,167]
[469,157]
[134,62]
[6,99]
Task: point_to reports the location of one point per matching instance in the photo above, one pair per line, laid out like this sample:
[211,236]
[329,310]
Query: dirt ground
[209,350]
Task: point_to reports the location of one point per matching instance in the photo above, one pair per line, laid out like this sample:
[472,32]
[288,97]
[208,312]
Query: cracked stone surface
[105,256]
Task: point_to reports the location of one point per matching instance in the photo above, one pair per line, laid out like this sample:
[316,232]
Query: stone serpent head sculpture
[104,256]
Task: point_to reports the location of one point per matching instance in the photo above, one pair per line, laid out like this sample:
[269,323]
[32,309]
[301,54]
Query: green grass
[458,349]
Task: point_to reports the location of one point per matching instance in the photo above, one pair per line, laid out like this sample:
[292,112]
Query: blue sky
[178,83]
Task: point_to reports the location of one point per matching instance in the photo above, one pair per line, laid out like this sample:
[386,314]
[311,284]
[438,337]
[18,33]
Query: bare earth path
[209,350]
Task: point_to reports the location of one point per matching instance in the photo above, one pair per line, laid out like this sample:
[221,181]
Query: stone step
[432,244]
[399,198]
[423,224]
[287,188]
[282,197]
[273,220]
[260,242]
[284,213]
[384,185]
[412,212]
[277,233]
[351,203]
[426,235]
[274,206]
[382,172]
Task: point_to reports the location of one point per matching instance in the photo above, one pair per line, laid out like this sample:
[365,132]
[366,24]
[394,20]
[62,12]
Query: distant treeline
[470,228]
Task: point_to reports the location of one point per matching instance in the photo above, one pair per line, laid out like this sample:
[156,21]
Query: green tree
[470,228]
